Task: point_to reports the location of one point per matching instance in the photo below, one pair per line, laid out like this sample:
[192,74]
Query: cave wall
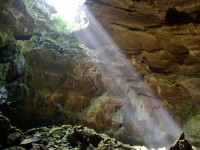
[44,73]
[47,77]
[161,38]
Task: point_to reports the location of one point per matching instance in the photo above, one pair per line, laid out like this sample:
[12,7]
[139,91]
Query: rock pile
[56,138]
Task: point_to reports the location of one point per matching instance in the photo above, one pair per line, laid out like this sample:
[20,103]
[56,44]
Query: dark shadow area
[23,37]
[173,16]
[197,19]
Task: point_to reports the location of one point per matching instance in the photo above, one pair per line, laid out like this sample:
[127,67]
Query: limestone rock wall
[50,78]
[162,40]
[46,78]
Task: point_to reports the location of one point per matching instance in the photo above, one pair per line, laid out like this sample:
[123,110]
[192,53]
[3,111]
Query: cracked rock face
[162,40]
[161,37]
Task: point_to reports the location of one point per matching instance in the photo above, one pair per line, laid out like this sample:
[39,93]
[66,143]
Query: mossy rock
[15,148]
[192,130]
[15,138]
[5,39]
[7,49]
[4,129]
[17,92]
[16,70]
[3,72]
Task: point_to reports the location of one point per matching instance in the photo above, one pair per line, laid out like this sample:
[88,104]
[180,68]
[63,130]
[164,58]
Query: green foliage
[38,9]
[45,18]
[5,39]
[60,25]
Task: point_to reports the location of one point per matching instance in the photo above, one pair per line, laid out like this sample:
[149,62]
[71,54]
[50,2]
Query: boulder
[181,144]
[15,137]
[4,129]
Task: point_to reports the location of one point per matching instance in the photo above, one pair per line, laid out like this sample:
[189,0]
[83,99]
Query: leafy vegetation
[59,24]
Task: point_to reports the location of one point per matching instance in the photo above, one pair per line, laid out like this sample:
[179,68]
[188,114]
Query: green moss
[3,72]
[192,130]
[41,12]
[15,138]
[42,94]
[187,110]
[172,79]
[15,148]
[38,10]
[17,92]
[8,48]
[28,74]
[3,40]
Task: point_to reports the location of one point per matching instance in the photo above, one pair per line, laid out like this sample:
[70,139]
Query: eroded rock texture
[64,137]
[47,77]
[162,40]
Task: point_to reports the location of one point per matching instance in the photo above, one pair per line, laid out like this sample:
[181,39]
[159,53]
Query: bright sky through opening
[71,12]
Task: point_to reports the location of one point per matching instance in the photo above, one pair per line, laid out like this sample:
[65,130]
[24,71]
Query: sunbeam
[71,11]
[155,126]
